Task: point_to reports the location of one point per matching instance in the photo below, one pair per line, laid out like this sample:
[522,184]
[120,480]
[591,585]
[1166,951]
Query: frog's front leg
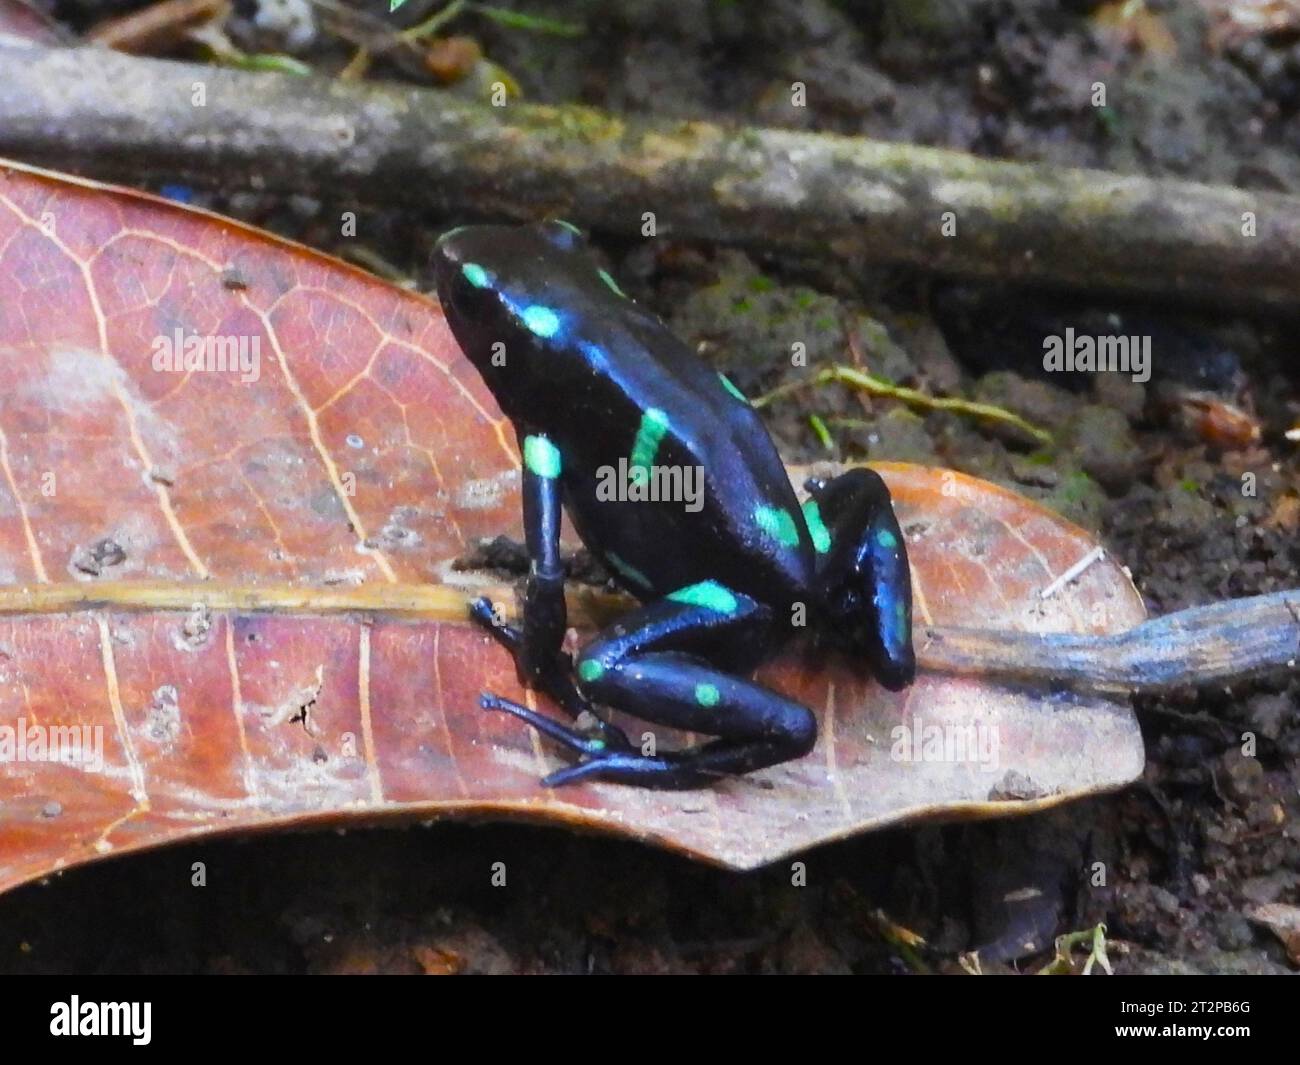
[864,581]
[658,663]
[536,646]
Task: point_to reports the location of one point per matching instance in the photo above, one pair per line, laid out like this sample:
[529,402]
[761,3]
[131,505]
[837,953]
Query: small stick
[1223,642]
[1095,555]
[878,386]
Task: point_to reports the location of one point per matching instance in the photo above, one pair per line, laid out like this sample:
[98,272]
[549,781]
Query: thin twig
[878,386]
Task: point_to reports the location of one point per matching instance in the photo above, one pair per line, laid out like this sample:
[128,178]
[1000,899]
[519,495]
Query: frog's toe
[482,611]
[573,774]
[623,767]
[561,734]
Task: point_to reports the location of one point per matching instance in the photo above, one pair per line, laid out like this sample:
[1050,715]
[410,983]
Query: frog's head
[507,284]
[865,584]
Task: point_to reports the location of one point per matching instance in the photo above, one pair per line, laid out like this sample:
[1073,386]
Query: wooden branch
[860,201]
[1227,641]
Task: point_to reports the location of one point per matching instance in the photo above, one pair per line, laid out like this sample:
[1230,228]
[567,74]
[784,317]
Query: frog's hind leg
[660,664]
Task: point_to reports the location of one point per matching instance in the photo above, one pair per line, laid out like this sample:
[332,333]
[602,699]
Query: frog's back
[634,413]
[725,508]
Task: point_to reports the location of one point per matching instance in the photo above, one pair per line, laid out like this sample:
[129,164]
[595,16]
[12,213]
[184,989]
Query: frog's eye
[563,235]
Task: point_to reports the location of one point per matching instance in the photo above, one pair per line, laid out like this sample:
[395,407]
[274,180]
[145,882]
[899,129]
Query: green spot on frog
[735,392]
[590,670]
[476,275]
[707,695]
[605,276]
[650,433]
[821,536]
[540,320]
[541,457]
[886,539]
[708,594]
[778,524]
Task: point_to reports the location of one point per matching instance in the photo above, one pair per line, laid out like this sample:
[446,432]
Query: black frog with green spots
[596,385]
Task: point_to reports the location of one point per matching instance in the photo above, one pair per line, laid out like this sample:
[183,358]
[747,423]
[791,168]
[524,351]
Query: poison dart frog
[588,378]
